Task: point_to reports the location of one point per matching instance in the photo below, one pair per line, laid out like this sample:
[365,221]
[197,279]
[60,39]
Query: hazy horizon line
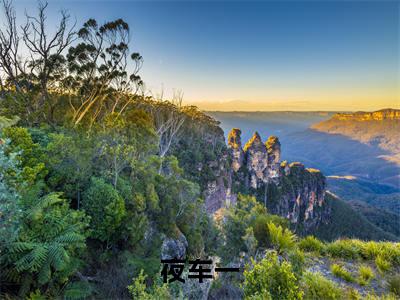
[314,111]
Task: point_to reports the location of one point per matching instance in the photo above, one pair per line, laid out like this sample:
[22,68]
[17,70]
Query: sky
[259,55]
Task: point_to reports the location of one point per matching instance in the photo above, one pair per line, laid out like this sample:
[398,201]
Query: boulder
[174,248]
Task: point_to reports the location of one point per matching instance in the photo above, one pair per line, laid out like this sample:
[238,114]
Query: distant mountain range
[380,128]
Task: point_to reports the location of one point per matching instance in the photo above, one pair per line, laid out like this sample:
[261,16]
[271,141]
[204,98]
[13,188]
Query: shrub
[391,252]
[365,275]
[387,250]
[318,287]
[348,249]
[105,207]
[352,294]
[382,263]
[372,296]
[260,227]
[340,271]
[297,259]
[271,279]
[394,285]
[138,289]
[370,249]
[282,239]
[311,244]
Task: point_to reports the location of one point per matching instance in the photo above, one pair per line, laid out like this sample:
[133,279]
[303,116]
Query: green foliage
[316,287]
[394,285]
[49,242]
[344,219]
[125,139]
[238,220]
[365,275]
[70,163]
[138,289]
[106,209]
[311,244]
[344,249]
[382,263]
[297,258]
[200,150]
[340,271]
[271,279]
[283,240]
[9,198]
[372,296]
[30,156]
[381,211]
[78,290]
[352,294]
[250,241]
[386,253]
[260,227]
[7,122]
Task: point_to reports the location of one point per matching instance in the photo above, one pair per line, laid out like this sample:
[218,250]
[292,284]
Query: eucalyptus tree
[31,57]
[104,74]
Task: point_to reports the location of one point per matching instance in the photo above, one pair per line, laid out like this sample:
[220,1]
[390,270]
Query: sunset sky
[288,55]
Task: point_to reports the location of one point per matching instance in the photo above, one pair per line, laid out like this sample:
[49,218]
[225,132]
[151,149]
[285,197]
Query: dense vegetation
[89,185]
[347,222]
[95,175]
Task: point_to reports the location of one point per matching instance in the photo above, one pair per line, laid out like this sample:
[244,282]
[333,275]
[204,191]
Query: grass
[317,286]
[341,272]
[385,254]
[365,275]
[344,249]
[394,285]
[311,244]
[382,263]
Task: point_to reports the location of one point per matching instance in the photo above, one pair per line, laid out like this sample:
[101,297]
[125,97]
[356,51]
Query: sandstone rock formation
[289,190]
[256,160]
[235,148]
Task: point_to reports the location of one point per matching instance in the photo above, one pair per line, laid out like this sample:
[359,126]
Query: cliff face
[384,114]
[289,190]
[302,197]
[380,128]
[224,170]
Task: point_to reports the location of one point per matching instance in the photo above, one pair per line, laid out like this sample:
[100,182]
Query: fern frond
[44,274]
[25,285]
[58,257]
[78,290]
[70,237]
[34,260]
[49,200]
[18,247]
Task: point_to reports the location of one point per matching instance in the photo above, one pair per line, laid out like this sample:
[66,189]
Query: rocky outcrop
[274,155]
[224,170]
[174,248]
[235,149]
[288,190]
[256,160]
[274,150]
[302,198]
